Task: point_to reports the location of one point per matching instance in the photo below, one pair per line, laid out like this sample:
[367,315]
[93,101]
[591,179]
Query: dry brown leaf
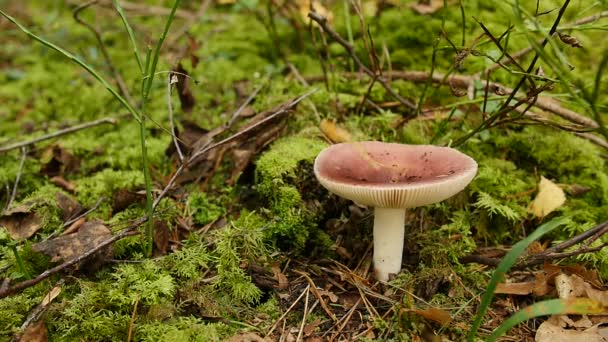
[186,99]
[333,132]
[548,332]
[58,161]
[55,291]
[549,197]
[21,222]
[247,337]
[67,247]
[280,278]
[434,314]
[309,328]
[63,183]
[427,7]
[36,332]
[162,234]
[522,288]
[305,7]
[69,207]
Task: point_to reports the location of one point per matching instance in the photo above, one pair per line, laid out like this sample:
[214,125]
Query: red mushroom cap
[392,175]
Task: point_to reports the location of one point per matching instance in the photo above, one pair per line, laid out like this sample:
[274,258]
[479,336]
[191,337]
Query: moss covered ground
[233,252]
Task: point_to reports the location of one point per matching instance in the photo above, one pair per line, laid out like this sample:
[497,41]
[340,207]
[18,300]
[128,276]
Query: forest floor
[243,243]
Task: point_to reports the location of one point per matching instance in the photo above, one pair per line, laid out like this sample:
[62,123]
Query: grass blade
[574,306]
[509,260]
[76,60]
[122,15]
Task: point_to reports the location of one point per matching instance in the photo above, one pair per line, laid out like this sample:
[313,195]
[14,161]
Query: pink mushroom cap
[390,175]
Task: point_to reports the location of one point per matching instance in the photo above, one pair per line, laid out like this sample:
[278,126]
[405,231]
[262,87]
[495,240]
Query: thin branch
[171,119]
[283,109]
[322,21]
[464,82]
[17,179]
[58,133]
[4,292]
[93,208]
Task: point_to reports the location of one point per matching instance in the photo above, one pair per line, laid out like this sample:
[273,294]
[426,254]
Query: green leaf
[509,260]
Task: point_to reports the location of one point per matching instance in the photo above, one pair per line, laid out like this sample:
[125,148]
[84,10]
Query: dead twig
[464,82]
[315,291]
[274,326]
[556,252]
[129,231]
[39,310]
[171,119]
[58,133]
[93,208]
[305,315]
[17,179]
[322,21]
[132,321]
[282,109]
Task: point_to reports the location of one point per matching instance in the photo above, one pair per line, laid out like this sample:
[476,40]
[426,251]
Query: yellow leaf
[549,198]
[305,7]
[333,132]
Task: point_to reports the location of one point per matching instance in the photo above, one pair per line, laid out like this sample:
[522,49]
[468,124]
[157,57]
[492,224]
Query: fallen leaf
[549,197]
[55,291]
[247,337]
[69,207]
[434,314]
[63,183]
[309,328]
[280,278]
[186,98]
[333,132]
[21,222]
[67,247]
[307,6]
[162,235]
[36,332]
[521,288]
[58,161]
[548,332]
[122,199]
[576,190]
[427,7]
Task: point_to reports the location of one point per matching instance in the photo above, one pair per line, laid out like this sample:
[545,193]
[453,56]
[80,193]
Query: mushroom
[391,178]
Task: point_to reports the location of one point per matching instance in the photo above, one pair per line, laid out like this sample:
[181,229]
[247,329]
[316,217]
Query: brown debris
[69,207]
[36,332]
[57,161]
[122,199]
[67,247]
[21,222]
[186,98]
[162,235]
[63,183]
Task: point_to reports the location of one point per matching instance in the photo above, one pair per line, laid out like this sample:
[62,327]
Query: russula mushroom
[391,178]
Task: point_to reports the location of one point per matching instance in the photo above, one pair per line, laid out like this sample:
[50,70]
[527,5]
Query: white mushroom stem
[389,235]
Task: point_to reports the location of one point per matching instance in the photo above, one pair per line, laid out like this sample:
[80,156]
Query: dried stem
[4,292]
[322,21]
[58,133]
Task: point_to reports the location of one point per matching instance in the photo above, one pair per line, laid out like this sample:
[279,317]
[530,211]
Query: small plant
[148,71]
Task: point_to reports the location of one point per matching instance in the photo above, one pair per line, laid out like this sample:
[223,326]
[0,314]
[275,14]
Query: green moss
[181,329]
[279,174]
[203,209]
